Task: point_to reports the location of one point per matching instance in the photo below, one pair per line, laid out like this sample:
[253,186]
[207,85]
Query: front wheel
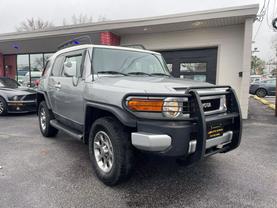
[110,151]
[3,107]
[44,117]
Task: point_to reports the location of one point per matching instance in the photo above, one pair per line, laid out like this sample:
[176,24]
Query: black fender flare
[44,94]
[123,116]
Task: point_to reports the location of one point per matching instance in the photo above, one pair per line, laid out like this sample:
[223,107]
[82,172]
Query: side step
[66,129]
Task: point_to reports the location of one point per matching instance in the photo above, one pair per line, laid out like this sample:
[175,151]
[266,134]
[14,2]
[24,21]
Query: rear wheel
[110,151]
[44,117]
[261,92]
[3,107]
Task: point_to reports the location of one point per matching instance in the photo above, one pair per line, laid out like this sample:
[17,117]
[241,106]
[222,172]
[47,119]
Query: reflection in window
[47,56]
[36,66]
[22,67]
[169,66]
[201,78]
[193,67]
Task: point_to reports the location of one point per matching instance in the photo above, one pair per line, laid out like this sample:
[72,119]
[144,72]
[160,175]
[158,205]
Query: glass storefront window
[22,67]
[30,67]
[193,67]
[36,66]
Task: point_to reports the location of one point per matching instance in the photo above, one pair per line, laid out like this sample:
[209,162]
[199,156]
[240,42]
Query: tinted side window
[57,67]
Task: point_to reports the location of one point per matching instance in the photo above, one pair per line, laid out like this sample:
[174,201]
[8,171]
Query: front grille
[30,97]
[211,104]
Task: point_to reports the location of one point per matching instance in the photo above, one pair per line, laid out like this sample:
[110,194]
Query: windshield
[116,61]
[10,83]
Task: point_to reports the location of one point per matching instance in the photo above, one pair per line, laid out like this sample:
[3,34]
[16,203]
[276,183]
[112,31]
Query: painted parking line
[265,102]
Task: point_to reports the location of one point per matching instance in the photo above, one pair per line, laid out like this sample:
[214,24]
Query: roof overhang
[38,41]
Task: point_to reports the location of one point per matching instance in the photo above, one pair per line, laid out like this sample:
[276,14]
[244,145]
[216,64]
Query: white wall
[230,42]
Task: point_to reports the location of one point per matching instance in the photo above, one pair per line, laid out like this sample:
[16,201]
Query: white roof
[84,46]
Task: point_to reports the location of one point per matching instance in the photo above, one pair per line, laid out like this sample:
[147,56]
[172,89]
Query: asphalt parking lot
[271,99]
[39,172]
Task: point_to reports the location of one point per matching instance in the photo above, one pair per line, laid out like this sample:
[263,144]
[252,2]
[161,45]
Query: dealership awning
[48,40]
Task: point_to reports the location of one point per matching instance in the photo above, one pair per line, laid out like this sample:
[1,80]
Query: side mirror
[70,69]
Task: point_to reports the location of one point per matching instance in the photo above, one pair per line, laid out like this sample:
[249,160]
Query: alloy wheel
[103,151]
[1,107]
[43,119]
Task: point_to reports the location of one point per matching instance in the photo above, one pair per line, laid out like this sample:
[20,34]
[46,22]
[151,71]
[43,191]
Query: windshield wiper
[111,72]
[160,74]
[138,73]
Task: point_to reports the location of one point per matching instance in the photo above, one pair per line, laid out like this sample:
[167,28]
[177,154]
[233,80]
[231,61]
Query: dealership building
[212,45]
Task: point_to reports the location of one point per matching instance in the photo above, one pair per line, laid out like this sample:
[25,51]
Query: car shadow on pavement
[159,182]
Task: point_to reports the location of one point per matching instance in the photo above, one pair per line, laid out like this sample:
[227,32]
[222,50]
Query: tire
[44,117]
[261,92]
[3,107]
[117,162]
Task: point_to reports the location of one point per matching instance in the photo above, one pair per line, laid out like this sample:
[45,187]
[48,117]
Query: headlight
[13,98]
[172,107]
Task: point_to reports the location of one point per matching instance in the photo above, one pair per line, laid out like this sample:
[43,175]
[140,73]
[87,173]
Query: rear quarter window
[57,66]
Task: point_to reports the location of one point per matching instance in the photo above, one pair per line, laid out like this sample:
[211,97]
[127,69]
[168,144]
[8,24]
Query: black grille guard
[198,116]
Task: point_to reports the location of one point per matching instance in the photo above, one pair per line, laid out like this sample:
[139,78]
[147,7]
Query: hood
[17,91]
[150,84]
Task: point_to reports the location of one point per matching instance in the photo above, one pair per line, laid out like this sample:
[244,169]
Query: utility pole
[274,25]
[276,84]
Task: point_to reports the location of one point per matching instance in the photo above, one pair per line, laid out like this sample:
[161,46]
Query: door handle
[58,86]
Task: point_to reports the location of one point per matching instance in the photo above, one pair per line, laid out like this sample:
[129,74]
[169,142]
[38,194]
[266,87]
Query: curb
[265,102]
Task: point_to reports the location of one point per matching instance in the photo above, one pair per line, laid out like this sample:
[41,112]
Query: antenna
[74,41]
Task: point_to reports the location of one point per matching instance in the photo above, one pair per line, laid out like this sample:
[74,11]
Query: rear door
[271,86]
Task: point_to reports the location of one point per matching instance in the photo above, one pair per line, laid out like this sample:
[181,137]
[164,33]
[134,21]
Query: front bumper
[189,138]
[22,106]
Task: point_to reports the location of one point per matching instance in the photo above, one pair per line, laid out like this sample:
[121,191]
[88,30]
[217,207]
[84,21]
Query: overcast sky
[12,12]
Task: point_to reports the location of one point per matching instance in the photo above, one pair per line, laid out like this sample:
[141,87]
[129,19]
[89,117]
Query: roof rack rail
[137,46]
[74,41]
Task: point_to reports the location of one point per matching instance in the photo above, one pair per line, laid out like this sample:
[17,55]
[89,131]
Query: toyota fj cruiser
[119,100]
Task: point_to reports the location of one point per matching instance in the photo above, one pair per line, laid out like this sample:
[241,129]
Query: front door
[69,97]
[196,64]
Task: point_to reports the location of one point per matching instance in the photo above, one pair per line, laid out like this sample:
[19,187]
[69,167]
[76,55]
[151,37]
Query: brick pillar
[108,38]
[1,65]
[10,60]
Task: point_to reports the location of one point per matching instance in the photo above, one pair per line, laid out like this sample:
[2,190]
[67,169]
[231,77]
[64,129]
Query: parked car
[21,75]
[15,99]
[35,77]
[263,88]
[119,99]
[255,78]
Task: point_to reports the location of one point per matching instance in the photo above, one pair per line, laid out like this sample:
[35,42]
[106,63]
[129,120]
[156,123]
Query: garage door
[196,64]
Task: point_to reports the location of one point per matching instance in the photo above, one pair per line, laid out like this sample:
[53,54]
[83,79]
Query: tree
[83,19]
[257,65]
[78,19]
[33,24]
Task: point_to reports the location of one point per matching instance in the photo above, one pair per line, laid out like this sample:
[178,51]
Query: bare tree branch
[82,19]
[33,24]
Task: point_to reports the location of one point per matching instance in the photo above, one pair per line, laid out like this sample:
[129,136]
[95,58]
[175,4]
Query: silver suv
[120,100]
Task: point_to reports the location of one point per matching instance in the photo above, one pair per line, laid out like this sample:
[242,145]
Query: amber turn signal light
[147,105]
